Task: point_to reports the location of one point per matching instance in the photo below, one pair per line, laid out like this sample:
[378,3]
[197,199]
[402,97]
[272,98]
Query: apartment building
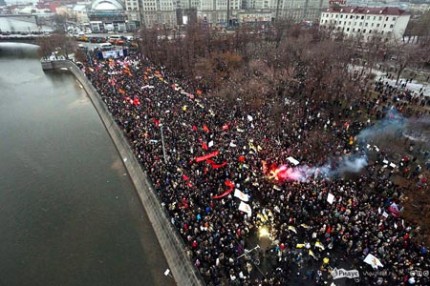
[387,23]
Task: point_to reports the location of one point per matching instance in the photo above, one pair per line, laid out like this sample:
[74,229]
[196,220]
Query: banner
[244,207]
[238,194]
[205,157]
[230,186]
[342,273]
[293,161]
[215,165]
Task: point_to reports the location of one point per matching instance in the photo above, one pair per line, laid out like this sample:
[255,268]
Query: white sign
[238,194]
[293,161]
[330,198]
[342,273]
[244,207]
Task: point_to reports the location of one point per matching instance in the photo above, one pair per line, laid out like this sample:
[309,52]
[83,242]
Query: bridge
[26,39]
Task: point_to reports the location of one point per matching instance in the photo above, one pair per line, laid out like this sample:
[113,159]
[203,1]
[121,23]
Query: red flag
[230,189]
[241,159]
[136,101]
[205,128]
[225,127]
[199,92]
[185,177]
[215,165]
[205,146]
[207,156]
[156,121]
[194,128]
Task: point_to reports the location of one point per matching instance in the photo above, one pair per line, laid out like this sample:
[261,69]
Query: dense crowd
[219,180]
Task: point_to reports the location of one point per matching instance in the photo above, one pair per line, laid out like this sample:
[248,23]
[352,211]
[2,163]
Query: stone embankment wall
[183,271]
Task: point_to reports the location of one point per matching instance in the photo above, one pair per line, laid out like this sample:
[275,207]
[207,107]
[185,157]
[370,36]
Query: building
[158,12]
[107,16]
[387,23]
[215,11]
[300,9]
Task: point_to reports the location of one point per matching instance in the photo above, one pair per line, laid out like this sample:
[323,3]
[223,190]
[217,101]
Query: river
[69,214]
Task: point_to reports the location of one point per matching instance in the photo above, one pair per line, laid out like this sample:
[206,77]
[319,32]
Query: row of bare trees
[283,59]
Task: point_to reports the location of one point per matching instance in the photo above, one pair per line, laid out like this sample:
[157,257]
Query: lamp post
[162,144]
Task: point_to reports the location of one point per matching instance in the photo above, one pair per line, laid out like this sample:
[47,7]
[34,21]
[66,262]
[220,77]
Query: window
[358,30]
[374,17]
[370,31]
[347,29]
[394,18]
[368,17]
[360,24]
[372,25]
[353,29]
[366,24]
[377,25]
[385,25]
[380,18]
[386,19]
[362,17]
[341,16]
[364,31]
[391,26]
[350,17]
[356,17]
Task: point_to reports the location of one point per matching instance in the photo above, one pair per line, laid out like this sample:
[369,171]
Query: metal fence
[171,243]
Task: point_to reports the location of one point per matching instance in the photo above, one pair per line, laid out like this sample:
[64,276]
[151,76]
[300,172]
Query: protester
[223,176]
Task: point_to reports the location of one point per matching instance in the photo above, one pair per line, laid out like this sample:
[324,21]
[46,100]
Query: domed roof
[107,5]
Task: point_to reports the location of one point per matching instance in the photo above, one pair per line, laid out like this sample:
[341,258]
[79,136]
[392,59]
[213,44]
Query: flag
[244,207]
[311,253]
[319,245]
[207,156]
[215,165]
[136,101]
[300,245]
[225,127]
[205,146]
[238,194]
[330,198]
[230,186]
[373,261]
[205,128]
[292,228]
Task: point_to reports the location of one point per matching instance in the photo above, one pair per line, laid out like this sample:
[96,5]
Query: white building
[387,23]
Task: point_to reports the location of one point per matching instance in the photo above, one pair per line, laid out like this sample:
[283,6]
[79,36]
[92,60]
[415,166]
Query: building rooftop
[368,10]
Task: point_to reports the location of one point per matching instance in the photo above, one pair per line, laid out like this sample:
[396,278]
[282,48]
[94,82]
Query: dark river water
[69,214]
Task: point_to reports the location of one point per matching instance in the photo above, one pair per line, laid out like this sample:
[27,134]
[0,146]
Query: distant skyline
[20,1]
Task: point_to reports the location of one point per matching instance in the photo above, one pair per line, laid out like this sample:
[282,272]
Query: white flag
[244,207]
[373,261]
[210,144]
[330,198]
[238,194]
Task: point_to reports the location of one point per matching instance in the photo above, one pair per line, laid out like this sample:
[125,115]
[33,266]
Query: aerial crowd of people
[229,182]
